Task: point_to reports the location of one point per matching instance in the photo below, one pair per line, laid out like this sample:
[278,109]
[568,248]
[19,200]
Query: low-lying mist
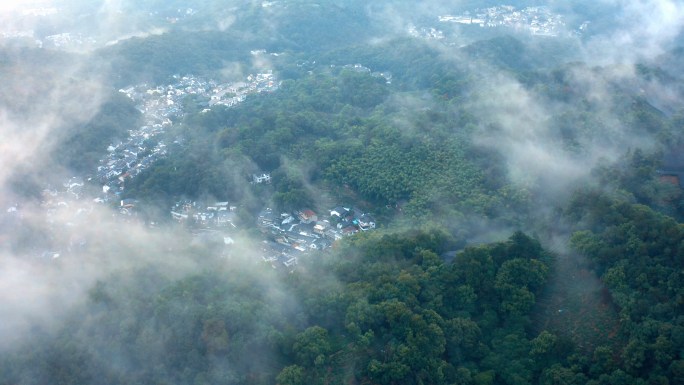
[550,128]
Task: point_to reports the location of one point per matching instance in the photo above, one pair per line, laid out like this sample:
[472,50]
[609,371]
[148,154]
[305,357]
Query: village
[292,234]
[535,20]
[286,235]
[161,106]
[72,201]
[425,33]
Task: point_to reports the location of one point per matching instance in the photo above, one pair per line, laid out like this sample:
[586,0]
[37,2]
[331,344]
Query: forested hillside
[503,187]
[380,308]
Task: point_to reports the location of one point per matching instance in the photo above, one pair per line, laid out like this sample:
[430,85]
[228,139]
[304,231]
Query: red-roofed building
[307,216]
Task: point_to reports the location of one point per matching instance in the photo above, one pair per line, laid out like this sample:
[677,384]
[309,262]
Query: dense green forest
[343,129]
[472,315]
[505,174]
[381,308]
[404,316]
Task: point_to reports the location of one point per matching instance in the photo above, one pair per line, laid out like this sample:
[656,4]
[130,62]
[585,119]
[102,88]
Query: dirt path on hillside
[575,303]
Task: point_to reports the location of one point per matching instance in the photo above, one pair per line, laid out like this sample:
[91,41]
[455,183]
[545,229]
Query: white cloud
[643,30]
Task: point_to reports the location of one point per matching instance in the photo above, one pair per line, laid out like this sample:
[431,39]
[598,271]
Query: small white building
[261,178]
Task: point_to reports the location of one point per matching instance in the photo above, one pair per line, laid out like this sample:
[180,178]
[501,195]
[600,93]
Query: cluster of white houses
[160,106]
[219,214]
[303,231]
[288,235]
